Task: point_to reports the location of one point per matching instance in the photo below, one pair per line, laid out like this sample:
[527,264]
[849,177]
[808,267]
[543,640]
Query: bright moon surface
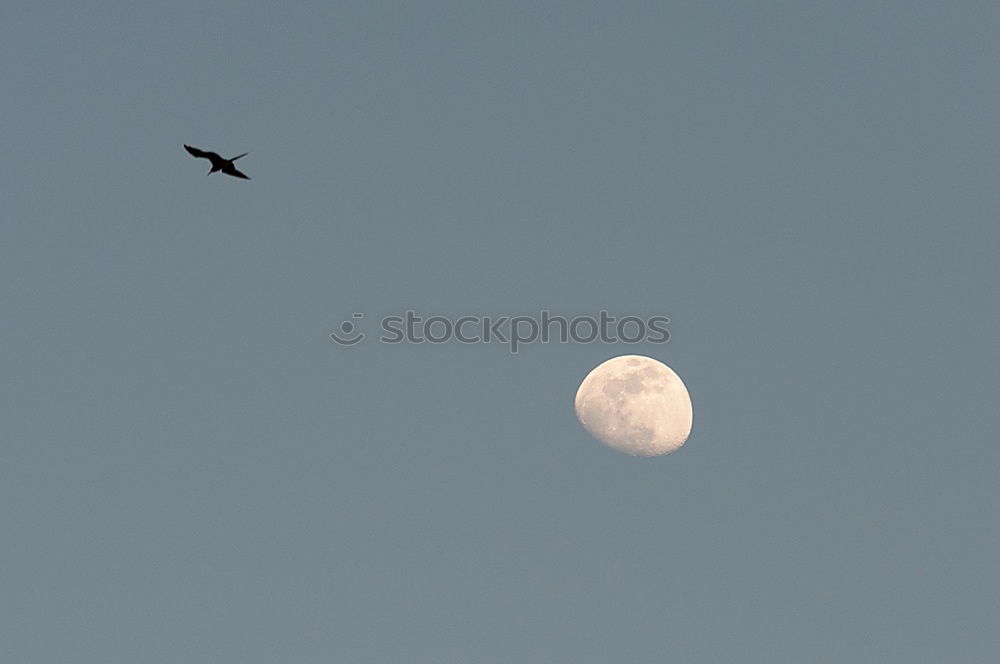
[635,405]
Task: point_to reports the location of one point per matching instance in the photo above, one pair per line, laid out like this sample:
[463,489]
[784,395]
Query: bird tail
[242,155]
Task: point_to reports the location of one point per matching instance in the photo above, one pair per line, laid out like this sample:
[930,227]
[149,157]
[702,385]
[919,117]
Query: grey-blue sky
[192,471]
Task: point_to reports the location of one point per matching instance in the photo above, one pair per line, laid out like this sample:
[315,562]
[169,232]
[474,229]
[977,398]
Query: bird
[218,163]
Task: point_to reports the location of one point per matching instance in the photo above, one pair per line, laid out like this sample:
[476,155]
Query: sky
[191,470]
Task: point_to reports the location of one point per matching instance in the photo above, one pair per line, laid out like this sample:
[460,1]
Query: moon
[635,405]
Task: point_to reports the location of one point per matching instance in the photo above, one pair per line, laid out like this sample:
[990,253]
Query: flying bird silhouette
[218,163]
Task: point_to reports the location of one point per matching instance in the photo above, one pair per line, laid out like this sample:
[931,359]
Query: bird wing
[201,154]
[229,169]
